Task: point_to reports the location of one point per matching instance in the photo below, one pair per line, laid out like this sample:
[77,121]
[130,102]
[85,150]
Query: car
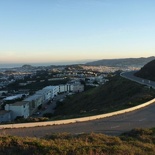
[37,113]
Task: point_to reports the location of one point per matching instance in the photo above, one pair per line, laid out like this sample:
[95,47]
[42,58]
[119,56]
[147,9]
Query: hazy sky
[62,30]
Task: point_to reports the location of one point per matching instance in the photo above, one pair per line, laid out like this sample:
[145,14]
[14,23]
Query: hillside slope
[116,94]
[148,71]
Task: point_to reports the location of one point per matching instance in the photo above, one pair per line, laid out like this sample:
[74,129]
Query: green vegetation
[117,94]
[41,79]
[135,142]
[30,119]
[37,85]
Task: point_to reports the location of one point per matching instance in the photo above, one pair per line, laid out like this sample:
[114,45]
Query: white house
[18,109]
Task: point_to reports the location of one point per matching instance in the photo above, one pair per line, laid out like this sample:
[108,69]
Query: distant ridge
[139,62]
[148,71]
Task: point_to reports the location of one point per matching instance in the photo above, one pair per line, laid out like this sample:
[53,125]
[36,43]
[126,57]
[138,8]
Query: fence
[75,120]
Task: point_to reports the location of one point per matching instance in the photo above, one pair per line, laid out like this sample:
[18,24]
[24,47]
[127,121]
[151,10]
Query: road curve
[130,76]
[115,125]
[143,118]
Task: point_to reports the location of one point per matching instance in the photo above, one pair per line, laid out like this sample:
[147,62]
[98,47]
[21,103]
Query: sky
[39,31]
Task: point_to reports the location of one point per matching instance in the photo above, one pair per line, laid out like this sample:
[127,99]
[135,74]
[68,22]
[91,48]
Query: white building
[53,90]
[18,109]
[46,95]
[65,88]
[78,88]
[34,102]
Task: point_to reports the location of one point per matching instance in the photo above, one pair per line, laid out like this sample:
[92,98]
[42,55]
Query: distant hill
[148,71]
[27,66]
[139,62]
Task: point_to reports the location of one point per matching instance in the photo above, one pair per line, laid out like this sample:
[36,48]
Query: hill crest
[139,62]
[147,71]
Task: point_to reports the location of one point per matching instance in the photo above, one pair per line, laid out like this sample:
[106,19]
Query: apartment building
[46,95]
[34,102]
[65,88]
[78,88]
[53,90]
[18,109]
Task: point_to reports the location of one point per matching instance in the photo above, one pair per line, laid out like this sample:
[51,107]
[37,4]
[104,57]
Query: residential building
[65,88]
[18,109]
[78,88]
[53,90]
[46,95]
[34,102]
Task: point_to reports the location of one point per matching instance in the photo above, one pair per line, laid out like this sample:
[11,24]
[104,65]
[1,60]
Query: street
[49,106]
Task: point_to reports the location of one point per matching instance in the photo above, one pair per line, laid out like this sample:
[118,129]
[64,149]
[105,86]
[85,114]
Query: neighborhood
[26,89]
[30,104]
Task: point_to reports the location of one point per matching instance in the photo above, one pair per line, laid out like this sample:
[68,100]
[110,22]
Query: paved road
[130,75]
[50,108]
[142,118]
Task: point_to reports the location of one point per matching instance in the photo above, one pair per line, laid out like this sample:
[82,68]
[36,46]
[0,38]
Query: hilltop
[138,62]
[118,93]
[148,71]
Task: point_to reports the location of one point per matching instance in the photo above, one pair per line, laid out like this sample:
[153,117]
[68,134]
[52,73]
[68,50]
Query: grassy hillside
[116,94]
[148,71]
[135,142]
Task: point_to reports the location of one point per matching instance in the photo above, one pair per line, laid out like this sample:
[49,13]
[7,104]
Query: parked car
[37,113]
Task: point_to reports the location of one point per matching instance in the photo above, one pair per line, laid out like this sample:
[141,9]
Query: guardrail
[75,120]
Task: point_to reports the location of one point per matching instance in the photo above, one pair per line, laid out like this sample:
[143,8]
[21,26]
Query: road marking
[113,127]
[142,119]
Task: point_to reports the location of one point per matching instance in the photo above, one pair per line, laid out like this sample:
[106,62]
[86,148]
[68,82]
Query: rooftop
[49,87]
[19,103]
[13,97]
[33,97]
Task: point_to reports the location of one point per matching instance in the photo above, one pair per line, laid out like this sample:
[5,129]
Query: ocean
[13,65]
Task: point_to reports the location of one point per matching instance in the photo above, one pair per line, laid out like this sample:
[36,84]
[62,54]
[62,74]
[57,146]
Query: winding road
[115,125]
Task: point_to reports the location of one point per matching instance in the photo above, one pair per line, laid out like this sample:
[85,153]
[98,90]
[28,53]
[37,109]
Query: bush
[48,115]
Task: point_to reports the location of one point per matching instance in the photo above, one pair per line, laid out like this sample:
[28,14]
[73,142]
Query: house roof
[13,97]
[19,103]
[43,91]
[50,87]
[33,97]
